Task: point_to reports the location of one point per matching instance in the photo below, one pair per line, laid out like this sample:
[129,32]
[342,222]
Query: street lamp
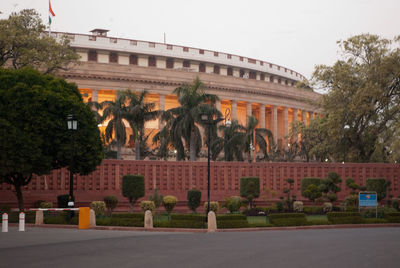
[208,120]
[345,128]
[72,124]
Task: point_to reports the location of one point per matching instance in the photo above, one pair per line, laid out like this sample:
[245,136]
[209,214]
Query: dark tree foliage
[33,128]
[133,188]
[250,188]
[194,199]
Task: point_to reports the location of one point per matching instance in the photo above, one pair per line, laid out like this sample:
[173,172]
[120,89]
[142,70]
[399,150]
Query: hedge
[345,217]
[181,224]
[232,221]
[30,217]
[393,217]
[287,219]
[139,216]
[189,217]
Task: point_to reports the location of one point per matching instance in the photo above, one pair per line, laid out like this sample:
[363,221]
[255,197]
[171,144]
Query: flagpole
[49,21]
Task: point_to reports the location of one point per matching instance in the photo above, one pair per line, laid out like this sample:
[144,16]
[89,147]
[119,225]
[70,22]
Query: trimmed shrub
[62,201]
[345,217]
[46,205]
[298,206]
[378,185]
[156,198]
[313,210]
[138,216]
[189,217]
[327,207]
[312,192]
[233,203]
[332,197]
[395,203]
[194,199]
[169,203]
[133,188]
[180,224]
[305,182]
[147,205]
[99,207]
[393,217]
[287,219]
[350,201]
[375,220]
[111,203]
[250,188]
[37,203]
[232,221]
[214,206]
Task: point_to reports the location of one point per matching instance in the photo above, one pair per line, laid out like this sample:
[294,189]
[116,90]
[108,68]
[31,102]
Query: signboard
[368,199]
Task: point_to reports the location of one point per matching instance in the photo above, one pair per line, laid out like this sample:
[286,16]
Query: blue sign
[368,200]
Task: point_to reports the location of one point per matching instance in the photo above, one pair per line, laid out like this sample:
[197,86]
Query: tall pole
[71,173]
[254,144]
[208,168]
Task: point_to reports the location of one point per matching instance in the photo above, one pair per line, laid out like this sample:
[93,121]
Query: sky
[297,34]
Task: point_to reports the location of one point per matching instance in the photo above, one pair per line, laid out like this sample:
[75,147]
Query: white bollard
[4,227]
[21,222]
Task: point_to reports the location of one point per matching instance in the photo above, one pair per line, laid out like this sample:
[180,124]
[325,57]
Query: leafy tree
[133,188]
[231,142]
[363,92]
[250,189]
[312,192]
[185,118]
[378,185]
[329,185]
[260,133]
[194,199]
[289,199]
[156,198]
[33,128]
[23,43]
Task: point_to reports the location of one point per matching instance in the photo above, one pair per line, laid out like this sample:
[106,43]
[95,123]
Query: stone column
[262,115]
[248,111]
[274,118]
[304,114]
[234,110]
[95,95]
[286,125]
[161,108]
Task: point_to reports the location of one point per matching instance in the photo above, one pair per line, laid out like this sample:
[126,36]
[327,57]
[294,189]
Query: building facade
[245,86]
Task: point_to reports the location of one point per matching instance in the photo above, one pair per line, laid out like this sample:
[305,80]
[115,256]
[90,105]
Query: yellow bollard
[84,218]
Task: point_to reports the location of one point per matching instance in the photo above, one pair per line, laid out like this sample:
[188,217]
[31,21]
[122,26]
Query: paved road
[339,248]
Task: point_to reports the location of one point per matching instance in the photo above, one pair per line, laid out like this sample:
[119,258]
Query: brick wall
[177,177]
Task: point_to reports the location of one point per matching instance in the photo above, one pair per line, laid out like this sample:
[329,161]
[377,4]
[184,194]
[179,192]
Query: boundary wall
[175,178]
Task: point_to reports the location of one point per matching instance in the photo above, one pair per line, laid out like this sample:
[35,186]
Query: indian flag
[51,13]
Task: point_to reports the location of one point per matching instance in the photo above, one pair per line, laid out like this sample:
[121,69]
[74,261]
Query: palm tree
[193,102]
[139,112]
[231,142]
[260,133]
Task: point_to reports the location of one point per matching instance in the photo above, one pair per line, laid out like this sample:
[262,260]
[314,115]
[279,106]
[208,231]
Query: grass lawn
[257,220]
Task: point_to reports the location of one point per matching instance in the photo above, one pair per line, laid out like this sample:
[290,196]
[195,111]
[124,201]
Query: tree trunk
[119,149]
[131,204]
[192,146]
[137,149]
[18,193]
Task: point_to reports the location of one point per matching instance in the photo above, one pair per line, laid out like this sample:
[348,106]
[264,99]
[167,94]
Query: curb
[188,230]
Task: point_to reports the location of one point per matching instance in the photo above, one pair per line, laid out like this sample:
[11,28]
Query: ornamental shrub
[298,206]
[332,197]
[378,185]
[147,205]
[313,210]
[233,203]
[46,205]
[62,201]
[250,188]
[132,188]
[111,203]
[214,206]
[344,217]
[327,207]
[37,203]
[99,207]
[312,192]
[305,182]
[169,203]
[194,199]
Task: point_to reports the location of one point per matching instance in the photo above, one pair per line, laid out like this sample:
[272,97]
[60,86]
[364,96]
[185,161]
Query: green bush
[344,217]
[257,211]
[305,182]
[233,203]
[99,207]
[312,192]
[128,222]
[180,224]
[393,217]
[288,219]
[189,217]
[378,185]
[111,203]
[313,210]
[46,205]
[60,218]
[169,203]
[133,188]
[327,207]
[232,221]
[194,199]
[147,205]
[37,203]
[62,201]
[250,188]
[374,220]
[395,203]
[214,206]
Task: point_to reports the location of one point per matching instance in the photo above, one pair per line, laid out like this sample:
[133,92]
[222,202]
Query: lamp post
[208,120]
[345,128]
[72,124]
